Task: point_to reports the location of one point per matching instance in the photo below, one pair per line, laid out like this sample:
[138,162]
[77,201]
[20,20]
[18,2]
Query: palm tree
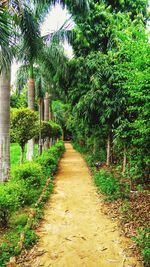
[20,17]
[5,65]
[27,27]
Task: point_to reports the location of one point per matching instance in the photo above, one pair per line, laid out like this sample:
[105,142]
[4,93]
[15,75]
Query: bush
[109,186]
[29,172]
[30,177]
[48,163]
[24,188]
[9,202]
[49,159]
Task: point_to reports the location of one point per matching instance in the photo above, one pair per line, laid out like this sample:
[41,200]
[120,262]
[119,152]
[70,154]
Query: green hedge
[27,182]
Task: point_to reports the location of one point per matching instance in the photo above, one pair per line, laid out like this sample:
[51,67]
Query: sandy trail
[75,232]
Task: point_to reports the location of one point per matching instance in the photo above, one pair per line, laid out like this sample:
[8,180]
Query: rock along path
[75,232]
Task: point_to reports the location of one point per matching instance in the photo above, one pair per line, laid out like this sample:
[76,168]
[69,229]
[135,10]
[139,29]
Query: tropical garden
[99,98]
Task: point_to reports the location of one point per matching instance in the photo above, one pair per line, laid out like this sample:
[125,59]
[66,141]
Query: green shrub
[109,186]
[30,238]
[9,201]
[79,148]
[92,158]
[8,248]
[143,242]
[49,159]
[48,163]
[6,251]
[20,219]
[30,177]
[29,172]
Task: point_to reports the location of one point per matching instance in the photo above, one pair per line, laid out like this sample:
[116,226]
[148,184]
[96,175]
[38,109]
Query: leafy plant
[143,242]
[9,202]
[108,185]
[30,238]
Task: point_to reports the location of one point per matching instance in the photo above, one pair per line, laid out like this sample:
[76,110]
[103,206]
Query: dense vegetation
[107,86]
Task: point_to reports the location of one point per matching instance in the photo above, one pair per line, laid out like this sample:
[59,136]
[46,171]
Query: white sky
[53,21]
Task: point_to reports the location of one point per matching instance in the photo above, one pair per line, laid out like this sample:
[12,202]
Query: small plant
[110,186]
[126,211]
[143,242]
[9,202]
[79,148]
[30,238]
[20,219]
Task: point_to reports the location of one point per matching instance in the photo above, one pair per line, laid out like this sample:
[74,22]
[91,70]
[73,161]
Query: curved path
[75,232]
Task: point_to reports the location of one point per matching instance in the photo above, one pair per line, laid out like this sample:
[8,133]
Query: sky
[53,21]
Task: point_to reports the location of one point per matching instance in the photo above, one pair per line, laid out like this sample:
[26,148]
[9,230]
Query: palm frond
[5,39]
[31,41]
[22,77]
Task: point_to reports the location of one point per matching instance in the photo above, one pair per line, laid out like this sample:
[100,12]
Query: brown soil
[75,232]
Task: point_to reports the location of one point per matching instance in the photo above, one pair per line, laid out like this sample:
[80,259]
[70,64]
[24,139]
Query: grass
[15,152]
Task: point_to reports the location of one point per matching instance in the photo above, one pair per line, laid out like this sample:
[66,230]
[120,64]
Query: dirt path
[74,232]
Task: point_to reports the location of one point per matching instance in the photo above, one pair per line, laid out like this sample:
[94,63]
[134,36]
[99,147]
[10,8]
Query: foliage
[30,172]
[108,185]
[19,219]
[49,159]
[24,126]
[81,149]
[18,101]
[126,212]
[60,112]
[56,129]
[31,177]
[9,202]
[143,242]
[108,81]
[30,238]
[24,189]
[50,129]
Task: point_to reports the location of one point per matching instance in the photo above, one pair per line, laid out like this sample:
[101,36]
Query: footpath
[74,231]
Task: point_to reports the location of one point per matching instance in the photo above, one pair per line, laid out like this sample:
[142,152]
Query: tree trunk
[4,125]
[40,115]
[22,155]
[42,109]
[46,116]
[31,96]
[124,160]
[50,110]
[63,135]
[46,107]
[108,149]
[94,146]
